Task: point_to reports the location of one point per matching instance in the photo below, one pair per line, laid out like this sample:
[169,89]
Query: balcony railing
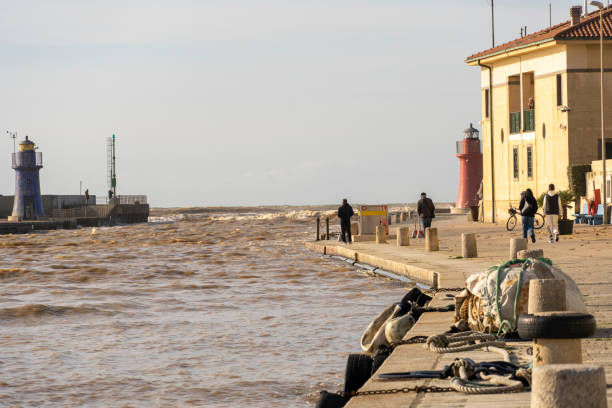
[529,118]
[130,199]
[23,159]
[528,121]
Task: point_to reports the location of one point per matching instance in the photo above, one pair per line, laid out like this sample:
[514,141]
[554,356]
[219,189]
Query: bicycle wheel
[538,221]
[511,223]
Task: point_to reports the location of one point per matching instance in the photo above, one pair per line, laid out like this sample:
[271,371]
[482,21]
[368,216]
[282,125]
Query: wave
[40,310]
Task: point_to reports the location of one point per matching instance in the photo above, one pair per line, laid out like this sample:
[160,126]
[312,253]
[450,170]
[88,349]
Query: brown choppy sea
[204,307]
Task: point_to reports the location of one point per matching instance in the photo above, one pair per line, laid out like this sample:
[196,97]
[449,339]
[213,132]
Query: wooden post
[381,236]
[517,244]
[326,227]
[431,240]
[403,236]
[318,228]
[468,246]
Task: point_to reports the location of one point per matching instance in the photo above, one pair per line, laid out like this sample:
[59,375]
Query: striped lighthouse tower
[27,162]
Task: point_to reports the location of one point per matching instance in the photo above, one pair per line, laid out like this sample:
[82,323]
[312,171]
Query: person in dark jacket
[528,208]
[345,212]
[426,210]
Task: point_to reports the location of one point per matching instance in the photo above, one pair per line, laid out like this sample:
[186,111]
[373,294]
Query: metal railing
[81,212]
[23,159]
[129,199]
[528,121]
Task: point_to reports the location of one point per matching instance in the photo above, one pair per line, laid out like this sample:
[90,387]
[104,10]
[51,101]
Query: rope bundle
[441,343]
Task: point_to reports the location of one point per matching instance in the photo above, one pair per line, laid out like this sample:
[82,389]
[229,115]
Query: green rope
[505,326]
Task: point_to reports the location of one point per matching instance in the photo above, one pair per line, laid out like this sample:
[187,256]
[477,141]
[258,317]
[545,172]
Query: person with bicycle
[528,208]
[552,208]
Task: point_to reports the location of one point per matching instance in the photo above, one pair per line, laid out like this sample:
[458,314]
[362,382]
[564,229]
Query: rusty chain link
[405,390]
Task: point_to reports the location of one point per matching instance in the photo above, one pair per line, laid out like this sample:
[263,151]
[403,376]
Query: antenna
[13,135]
[549,15]
[110,164]
[492,26]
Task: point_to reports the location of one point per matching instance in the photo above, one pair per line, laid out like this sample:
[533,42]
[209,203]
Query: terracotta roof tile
[587,29]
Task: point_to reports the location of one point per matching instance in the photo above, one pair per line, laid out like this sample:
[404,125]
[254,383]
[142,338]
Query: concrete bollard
[468,246]
[556,351]
[530,253]
[431,240]
[568,386]
[517,244]
[403,236]
[546,295]
[354,228]
[381,236]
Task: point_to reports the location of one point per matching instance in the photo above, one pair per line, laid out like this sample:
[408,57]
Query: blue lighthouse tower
[28,202]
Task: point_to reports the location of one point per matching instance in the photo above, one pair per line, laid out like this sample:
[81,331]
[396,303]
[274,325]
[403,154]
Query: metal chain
[412,340]
[405,390]
[436,290]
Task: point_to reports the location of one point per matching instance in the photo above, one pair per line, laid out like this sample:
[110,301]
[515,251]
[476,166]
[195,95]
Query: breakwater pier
[584,256]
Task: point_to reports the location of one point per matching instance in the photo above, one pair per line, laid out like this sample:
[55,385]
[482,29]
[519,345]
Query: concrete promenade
[586,256]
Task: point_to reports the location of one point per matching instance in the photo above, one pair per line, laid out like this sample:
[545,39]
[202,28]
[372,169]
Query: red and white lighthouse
[469,154]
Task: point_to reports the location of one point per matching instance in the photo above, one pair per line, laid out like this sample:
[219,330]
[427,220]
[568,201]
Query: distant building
[543,106]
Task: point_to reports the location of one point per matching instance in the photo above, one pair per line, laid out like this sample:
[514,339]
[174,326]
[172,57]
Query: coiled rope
[441,343]
[492,384]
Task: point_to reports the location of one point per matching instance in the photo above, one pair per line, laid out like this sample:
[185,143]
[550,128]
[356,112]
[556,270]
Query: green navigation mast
[110,165]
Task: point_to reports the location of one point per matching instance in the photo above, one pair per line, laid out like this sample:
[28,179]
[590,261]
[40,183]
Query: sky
[250,102]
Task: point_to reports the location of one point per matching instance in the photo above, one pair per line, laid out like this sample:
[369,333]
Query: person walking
[426,210]
[345,212]
[86,197]
[528,208]
[552,207]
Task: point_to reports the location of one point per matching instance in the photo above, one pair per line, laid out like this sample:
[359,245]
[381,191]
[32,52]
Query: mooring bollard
[468,246]
[403,236]
[530,253]
[354,228]
[546,295]
[381,236]
[326,227]
[431,240]
[318,228]
[517,244]
[556,335]
[568,386]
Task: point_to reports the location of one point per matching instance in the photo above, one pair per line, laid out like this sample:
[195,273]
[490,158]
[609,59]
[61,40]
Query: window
[529,162]
[559,95]
[486,103]
[502,135]
[543,131]
[608,149]
[515,159]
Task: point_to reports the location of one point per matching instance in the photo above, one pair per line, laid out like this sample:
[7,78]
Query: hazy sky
[246,102]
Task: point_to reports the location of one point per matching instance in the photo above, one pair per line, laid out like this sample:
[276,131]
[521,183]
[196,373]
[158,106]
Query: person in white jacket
[552,208]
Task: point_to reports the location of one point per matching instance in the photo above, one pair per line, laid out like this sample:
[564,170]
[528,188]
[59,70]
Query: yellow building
[553,78]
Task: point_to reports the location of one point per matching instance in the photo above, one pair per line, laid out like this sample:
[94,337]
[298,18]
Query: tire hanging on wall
[330,400]
[358,371]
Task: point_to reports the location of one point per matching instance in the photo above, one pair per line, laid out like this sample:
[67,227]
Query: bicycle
[538,219]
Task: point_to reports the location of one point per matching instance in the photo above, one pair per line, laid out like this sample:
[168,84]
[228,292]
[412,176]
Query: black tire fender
[358,371]
[556,325]
[329,400]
